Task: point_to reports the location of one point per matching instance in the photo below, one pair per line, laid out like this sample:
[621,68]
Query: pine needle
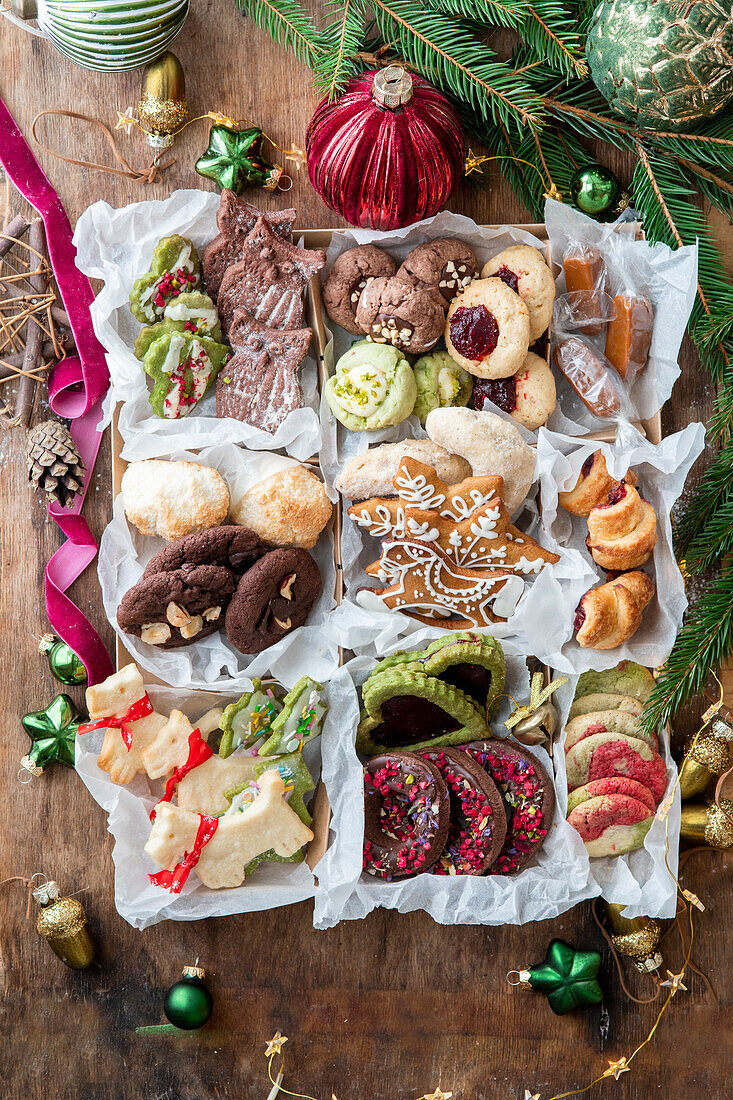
[344,37]
[289,25]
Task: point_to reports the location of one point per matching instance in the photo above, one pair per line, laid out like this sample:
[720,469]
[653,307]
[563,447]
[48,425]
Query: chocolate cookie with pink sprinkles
[406,815]
[529,800]
[477,819]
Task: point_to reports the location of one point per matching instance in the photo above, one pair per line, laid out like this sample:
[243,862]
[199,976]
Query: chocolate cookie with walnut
[352,271]
[402,312]
[170,610]
[274,597]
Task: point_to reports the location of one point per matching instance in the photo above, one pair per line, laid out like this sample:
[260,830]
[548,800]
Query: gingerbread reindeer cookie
[467,521]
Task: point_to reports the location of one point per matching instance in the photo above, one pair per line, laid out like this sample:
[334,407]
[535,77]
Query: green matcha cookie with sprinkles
[404,708]
[183,368]
[248,722]
[193,312]
[474,663]
[175,269]
[299,721]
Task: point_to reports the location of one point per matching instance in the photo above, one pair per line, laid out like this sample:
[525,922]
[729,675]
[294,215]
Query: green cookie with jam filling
[406,709]
[473,663]
[300,720]
[373,387]
[441,383]
[192,312]
[627,678]
[247,721]
[295,774]
[183,368]
[175,269]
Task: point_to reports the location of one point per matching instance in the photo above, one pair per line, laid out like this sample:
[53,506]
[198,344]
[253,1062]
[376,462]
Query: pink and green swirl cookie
[612,824]
[614,784]
[605,721]
[603,755]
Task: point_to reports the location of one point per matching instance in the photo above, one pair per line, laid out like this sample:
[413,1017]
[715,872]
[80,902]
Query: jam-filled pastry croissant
[607,616]
[622,532]
[593,486]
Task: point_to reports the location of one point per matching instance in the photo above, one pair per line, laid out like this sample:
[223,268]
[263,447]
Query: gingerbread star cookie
[422,581]
[269,281]
[260,384]
[467,521]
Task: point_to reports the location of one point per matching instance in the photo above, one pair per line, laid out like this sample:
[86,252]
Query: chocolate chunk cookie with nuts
[446,263]
[352,271]
[273,597]
[401,312]
[233,547]
[170,610]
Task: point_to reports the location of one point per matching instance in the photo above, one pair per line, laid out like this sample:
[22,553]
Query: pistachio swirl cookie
[175,269]
[373,387]
[441,383]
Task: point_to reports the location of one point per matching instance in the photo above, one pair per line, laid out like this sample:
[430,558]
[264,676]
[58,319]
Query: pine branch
[551,33]
[704,643]
[712,490]
[289,25]
[447,53]
[344,37]
[507,13]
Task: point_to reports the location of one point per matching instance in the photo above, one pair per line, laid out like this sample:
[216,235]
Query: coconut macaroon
[172,498]
[524,271]
[289,508]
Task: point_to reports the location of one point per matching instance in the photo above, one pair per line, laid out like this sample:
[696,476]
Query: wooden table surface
[389,1007]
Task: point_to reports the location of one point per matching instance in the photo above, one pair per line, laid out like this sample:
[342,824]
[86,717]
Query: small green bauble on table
[662,64]
[567,977]
[188,1004]
[594,189]
[64,664]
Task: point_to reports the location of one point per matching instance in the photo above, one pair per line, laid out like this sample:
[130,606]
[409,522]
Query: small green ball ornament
[64,664]
[594,189]
[567,977]
[188,1004]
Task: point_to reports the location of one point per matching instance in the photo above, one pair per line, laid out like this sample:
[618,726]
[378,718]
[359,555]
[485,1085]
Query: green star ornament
[567,977]
[234,159]
[53,731]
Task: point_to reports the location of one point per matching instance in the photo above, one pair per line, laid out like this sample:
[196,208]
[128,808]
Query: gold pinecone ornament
[54,464]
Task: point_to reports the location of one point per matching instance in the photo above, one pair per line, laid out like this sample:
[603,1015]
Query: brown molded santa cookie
[401,312]
[350,274]
[446,263]
[170,610]
[274,597]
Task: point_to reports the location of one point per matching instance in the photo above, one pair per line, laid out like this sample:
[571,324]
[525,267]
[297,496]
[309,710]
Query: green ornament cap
[64,664]
[567,977]
[188,1003]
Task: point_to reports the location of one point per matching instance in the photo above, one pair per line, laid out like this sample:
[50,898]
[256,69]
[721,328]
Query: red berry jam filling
[502,391]
[587,466]
[474,332]
[509,277]
[617,493]
[579,617]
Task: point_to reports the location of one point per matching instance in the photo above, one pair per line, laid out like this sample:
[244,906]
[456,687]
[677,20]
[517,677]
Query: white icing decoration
[462,509]
[173,356]
[417,490]
[178,311]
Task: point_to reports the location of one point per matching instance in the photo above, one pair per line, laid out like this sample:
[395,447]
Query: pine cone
[54,464]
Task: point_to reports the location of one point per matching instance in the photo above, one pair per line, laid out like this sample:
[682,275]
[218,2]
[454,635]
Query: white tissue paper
[639,880]
[139,901]
[556,878]
[117,246]
[124,553]
[662,470]
[667,277]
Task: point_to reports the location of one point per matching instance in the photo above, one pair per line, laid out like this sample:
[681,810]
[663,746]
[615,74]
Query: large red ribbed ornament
[388,152]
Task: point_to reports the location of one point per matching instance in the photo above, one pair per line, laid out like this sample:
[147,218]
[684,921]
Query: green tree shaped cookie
[183,368]
[300,720]
[373,387]
[175,269]
[441,383]
[192,312]
[250,719]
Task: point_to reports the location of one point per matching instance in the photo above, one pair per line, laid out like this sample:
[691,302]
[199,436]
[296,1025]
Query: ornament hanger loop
[509,978]
[39,874]
[24,777]
[287,180]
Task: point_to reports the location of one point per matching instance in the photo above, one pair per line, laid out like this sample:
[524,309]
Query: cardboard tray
[321,238]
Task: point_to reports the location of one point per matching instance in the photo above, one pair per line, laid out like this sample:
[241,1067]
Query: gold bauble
[636,937]
[705,757]
[541,725]
[710,824]
[162,107]
[63,922]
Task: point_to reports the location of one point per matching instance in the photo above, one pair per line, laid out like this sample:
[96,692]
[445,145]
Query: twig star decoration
[531,1095]
[674,981]
[437,1095]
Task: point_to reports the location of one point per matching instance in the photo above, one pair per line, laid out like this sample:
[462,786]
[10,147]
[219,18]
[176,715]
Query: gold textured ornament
[635,937]
[710,824]
[63,922]
[706,756]
[162,107]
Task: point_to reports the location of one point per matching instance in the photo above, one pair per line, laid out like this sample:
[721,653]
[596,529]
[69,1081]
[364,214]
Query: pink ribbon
[76,387]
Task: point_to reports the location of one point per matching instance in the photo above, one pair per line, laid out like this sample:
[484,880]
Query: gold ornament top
[66,917]
[194,972]
[719,828]
[47,893]
[708,750]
